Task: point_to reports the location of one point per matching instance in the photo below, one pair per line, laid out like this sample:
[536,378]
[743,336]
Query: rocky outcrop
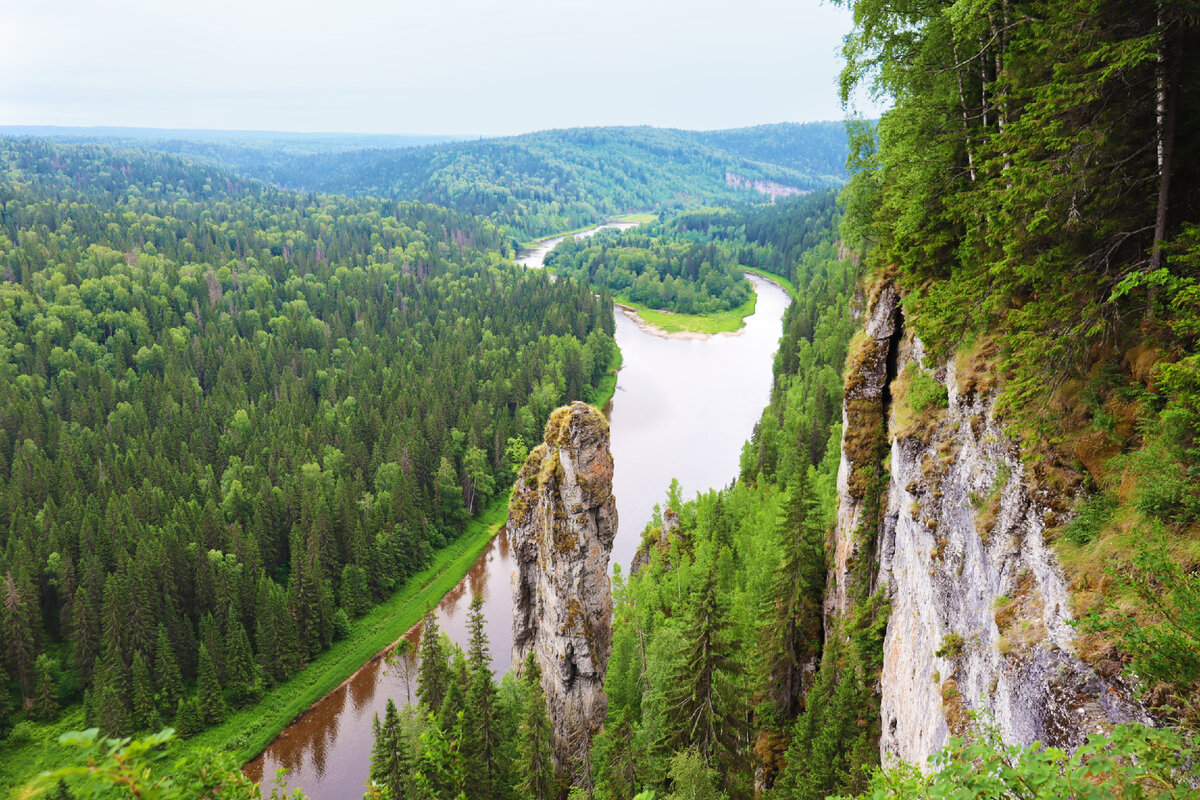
[668,532]
[561,522]
[980,608]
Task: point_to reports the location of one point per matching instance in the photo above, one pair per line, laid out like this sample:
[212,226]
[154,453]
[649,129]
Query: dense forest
[693,261]
[657,267]
[542,183]
[233,417]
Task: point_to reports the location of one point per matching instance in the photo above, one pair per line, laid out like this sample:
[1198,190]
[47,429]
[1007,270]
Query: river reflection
[682,409]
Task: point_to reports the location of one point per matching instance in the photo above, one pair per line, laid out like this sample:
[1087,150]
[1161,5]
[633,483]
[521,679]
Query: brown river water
[682,409]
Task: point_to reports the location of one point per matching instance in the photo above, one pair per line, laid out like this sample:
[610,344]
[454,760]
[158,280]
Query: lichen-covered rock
[561,522]
[863,410]
[980,609]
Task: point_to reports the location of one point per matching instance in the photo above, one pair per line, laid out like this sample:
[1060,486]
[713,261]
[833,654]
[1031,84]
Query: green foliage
[1092,515]
[951,647]
[550,181]
[128,765]
[535,767]
[315,355]
[1164,639]
[657,266]
[1132,762]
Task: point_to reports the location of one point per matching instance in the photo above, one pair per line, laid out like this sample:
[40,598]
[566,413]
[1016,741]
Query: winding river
[683,408]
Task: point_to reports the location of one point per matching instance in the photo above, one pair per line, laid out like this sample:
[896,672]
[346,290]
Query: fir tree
[209,698]
[433,675]
[535,764]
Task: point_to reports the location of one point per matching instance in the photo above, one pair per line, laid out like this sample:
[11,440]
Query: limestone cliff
[561,522]
[980,608]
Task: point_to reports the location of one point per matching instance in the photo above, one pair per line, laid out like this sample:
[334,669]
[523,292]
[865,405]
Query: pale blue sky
[442,66]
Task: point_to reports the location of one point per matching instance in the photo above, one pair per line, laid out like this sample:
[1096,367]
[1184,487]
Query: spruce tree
[188,719]
[433,675]
[241,673]
[85,634]
[45,700]
[166,671]
[6,704]
[481,732]
[704,705]
[535,763]
[791,619]
[392,759]
[454,704]
[210,699]
[145,707]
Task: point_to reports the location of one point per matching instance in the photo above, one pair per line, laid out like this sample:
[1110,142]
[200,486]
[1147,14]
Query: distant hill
[544,182]
[248,151]
[530,185]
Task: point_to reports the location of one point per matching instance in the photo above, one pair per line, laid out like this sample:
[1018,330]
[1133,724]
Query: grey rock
[562,520]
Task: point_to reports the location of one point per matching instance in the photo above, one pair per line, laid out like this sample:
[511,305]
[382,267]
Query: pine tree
[209,698]
[166,670]
[535,764]
[433,675]
[145,707]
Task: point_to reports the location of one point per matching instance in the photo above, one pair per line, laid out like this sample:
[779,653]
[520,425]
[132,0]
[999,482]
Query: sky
[476,67]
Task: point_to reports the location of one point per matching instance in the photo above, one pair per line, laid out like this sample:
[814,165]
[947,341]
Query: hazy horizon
[461,68]
[452,136]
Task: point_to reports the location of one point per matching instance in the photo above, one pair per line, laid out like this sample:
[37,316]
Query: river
[682,409]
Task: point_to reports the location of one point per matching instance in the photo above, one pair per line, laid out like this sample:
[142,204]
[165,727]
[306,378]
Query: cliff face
[980,608]
[562,520]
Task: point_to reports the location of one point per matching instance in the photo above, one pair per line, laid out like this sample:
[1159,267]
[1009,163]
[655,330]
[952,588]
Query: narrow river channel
[682,409]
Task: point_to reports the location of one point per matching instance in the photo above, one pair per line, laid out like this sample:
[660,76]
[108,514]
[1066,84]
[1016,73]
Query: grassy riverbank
[249,730]
[778,280]
[673,322]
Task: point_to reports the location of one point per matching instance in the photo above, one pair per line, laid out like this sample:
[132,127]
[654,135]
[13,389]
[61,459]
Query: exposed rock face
[980,607]
[863,410]
[561,521]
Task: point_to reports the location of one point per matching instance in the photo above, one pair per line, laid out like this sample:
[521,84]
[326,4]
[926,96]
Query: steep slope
[981,618]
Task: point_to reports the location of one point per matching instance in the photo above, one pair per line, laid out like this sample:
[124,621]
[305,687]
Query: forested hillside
[233,417]
[541,183]
[693,262]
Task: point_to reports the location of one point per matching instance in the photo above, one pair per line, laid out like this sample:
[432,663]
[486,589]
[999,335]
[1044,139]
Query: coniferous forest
[235,416]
